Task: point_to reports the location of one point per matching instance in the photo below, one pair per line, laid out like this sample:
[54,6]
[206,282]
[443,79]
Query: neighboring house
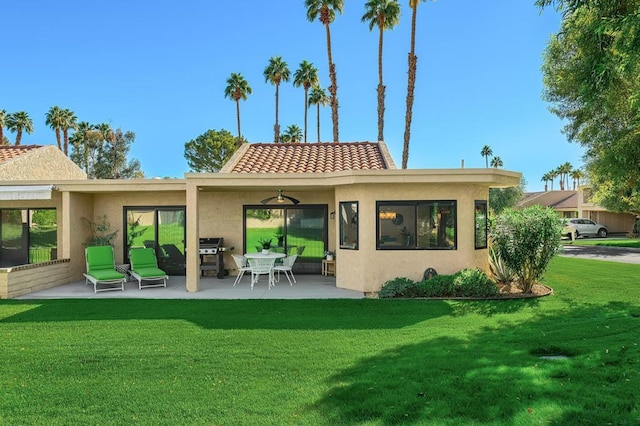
[564,202]
[571,204]
[380,221]
[33,162]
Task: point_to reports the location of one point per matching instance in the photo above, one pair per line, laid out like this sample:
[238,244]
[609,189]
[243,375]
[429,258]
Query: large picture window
[349,225]
[28,236]
[416,225]
[481,224]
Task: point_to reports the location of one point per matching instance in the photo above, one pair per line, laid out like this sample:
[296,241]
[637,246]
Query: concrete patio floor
[307,287]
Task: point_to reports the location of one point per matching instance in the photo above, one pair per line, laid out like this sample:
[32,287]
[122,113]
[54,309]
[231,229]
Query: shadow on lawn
[498,375]
[236,314]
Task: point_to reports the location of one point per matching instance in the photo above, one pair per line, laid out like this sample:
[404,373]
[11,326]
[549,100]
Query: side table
[125,269]
[328,267]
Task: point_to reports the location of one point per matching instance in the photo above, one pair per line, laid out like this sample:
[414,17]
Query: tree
[3,119]
[54,119]
[486,153]
[325,11]
[591,75]
[292,134]
[275,73]
[69,121]
[563,171]
[306,76]
[553,174]
[546,178]
[102,152]
[504,198]
[496,162]
[18,122]
[526,240]
[237,88]
[318,97]
[210,151]
[411,83]
[576,175]
[385,14]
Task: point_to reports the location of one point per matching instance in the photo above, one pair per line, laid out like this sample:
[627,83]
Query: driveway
[612,254]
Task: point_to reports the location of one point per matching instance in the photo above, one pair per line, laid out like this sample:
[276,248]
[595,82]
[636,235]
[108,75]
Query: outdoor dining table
[270,255]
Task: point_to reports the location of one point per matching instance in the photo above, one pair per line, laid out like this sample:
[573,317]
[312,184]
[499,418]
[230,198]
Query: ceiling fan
[280,198]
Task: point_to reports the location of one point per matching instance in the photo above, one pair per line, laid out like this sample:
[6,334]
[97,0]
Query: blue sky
[159,69]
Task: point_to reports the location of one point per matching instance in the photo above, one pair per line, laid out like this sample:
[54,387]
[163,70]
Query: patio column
[193,260]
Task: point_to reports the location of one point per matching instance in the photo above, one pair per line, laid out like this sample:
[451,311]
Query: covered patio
[307,287]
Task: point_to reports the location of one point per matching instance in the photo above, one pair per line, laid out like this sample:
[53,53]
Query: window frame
[477,203]
[415,204]
[354,221]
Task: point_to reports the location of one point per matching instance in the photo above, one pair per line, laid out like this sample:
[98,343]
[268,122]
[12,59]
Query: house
[349,198]
[578,203]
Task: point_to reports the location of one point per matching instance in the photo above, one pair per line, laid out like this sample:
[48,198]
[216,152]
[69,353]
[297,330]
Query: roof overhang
[26,192]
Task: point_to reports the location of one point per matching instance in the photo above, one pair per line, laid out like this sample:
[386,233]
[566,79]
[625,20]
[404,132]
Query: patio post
[193,267]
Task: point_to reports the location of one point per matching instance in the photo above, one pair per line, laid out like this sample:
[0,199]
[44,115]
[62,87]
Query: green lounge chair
[101,269]
[144,267]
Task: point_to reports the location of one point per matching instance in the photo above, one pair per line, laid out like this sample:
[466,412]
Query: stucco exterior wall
[43,163]
[367,268]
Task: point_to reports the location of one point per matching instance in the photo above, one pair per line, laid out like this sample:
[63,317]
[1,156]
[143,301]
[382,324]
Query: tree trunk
[18,137]
[276,127]
[66,142]
[333,89]
[238,143]
[413,64]
[58,138]
[318,115]
[306,107]
[381,88]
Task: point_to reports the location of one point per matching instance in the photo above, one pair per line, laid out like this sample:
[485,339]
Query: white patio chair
[287,265]
[241,263]
[261,266]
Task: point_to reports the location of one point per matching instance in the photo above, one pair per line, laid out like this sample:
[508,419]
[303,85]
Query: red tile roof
[9,152]
[309,157]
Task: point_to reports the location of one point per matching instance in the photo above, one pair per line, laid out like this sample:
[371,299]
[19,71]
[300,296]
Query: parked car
[584,227]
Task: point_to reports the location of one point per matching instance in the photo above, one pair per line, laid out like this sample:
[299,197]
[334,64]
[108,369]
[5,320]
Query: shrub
[526,240]
[399,287]
[474,283]
[500,271]
[437,286]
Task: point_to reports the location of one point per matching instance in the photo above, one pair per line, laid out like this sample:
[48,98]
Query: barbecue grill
[213,250]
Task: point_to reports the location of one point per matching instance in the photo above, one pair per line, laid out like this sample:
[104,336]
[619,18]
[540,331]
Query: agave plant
[502,274]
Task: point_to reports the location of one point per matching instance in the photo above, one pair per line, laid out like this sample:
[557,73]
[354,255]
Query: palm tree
[546,178]
[411,83]
[306,76]
[318,97]
[275,73]
[553,174]
[576,175]
[237,88]
[292,134]
[565,170]
[54,119]
[3,118]
[84,128]
[486,152]
[18,122]
[496,162]
[325,11]
[69,121]
[385,14]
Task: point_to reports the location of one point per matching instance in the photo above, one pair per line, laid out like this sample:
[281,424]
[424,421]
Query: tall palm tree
[306,76]
[325,11]
[496,162]
[411,83]
[275,73]
[546,178]
[576,175]
[292,134]
[84,128]
[3,119]
[565,170]
[385,14]
[54,119]
[237,88]
[18,122]
[486,153]
[69,121]
[318,97]
[553,174]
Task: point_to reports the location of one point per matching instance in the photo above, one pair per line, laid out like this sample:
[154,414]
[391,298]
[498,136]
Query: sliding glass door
[300,230]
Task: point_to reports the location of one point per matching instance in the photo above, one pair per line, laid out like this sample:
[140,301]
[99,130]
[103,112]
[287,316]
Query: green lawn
[609,242]
[328,362]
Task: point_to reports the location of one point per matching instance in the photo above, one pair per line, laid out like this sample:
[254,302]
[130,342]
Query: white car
[584,227]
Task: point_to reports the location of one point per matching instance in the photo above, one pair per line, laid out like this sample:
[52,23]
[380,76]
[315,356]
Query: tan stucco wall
[367,268]
[44,163]
[15,282]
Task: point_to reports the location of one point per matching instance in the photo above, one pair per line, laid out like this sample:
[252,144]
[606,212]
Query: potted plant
[266,244]
[329,254]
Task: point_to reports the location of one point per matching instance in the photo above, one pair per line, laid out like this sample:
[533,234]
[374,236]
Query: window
[28,236]
[349,225]
[410,225]
[481,224]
